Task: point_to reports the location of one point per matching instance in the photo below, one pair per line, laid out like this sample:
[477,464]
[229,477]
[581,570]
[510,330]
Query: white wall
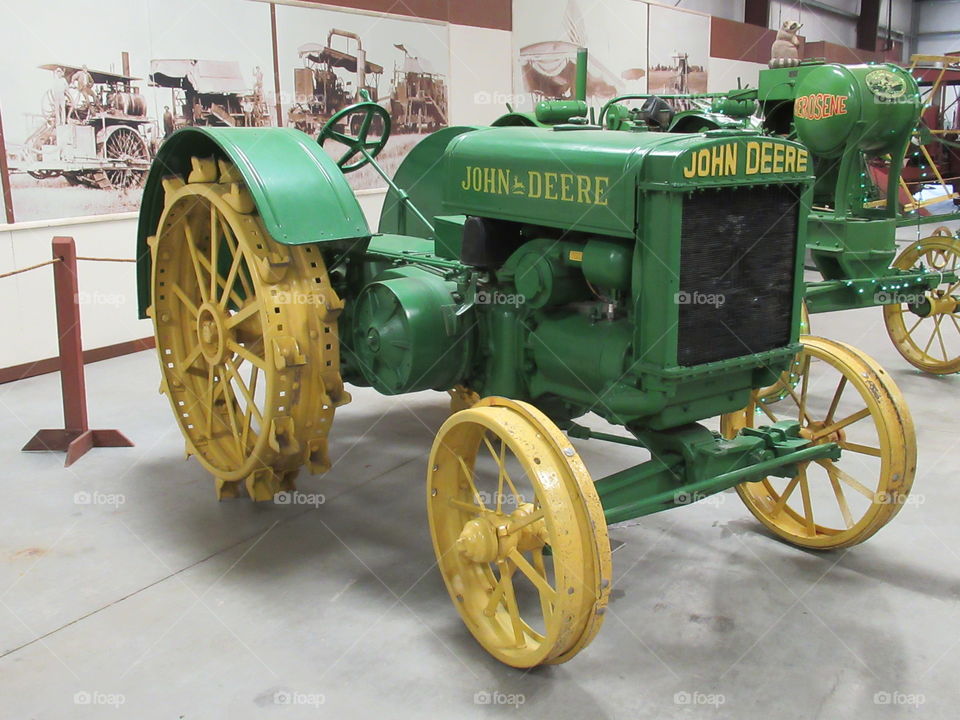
[723,74]
[939,17]
[481,74]
[729,9]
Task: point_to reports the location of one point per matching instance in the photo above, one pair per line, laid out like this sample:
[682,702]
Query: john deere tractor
[544,276]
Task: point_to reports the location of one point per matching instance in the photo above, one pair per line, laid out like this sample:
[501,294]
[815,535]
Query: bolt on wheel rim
[843,396]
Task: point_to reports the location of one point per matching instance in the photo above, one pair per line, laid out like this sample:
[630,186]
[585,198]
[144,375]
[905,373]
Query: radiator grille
[737,254]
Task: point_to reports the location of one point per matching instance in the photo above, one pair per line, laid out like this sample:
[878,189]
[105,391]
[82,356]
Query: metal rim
[482,541]
[921,338]
[249,353]
[863,490]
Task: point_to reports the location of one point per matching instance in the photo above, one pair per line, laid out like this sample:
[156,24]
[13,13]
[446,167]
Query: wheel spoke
[195,258]
[191,357]
[230,400]
[802,402]
[248,413]
[231,279]
[858,448]
[500,459]
[469,476]
[836,400]
[187,302]
[214,252]
[841,501]
[467,507]
[243,313]
[513,610]
[832,468]
[768,412]
[251,403]
[787,492]
[840,424]
[526,520]
[243,352]
[807,505]
[539,581]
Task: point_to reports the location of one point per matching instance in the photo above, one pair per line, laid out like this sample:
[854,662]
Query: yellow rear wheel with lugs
[927,331]
[519,533]
[246,334]
[842,396]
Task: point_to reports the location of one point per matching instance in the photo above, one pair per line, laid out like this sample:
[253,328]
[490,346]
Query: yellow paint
[576,256]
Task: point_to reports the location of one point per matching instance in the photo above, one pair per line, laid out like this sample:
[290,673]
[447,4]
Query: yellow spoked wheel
[246,333]
[927,332]
[843,396]
[504,484]
[791,376]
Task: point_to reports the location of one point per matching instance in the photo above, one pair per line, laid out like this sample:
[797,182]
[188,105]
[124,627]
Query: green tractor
[858,123]
[542,275]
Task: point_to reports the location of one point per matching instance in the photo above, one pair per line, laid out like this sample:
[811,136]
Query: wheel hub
[493,536]
[837,436]
[213,333]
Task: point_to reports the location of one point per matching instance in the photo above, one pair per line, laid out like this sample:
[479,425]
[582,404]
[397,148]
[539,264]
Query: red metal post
[76,437]
[5,177]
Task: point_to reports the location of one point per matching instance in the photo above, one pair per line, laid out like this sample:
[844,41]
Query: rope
[104,259]
[31,267]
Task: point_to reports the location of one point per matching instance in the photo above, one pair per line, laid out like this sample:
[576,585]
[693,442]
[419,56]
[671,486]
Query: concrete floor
[171,605]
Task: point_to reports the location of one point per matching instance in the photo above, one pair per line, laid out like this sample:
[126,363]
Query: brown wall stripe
[496,14]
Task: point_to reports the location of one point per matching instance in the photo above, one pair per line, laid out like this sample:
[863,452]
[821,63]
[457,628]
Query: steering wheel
[357,145]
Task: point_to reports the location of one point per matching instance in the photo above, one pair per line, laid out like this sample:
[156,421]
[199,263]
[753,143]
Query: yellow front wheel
[519,533]
[791,376]
[927,332]
[842,396]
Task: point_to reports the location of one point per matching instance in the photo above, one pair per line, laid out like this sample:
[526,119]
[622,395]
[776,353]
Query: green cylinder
[867,106]
[560,111]
[406,334]
[607,264]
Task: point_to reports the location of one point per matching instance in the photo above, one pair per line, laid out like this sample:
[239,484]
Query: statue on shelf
[785,50]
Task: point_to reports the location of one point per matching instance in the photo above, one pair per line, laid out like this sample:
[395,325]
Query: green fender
[301,195]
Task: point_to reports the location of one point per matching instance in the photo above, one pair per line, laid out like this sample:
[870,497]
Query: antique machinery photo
[93,130]
[544,275]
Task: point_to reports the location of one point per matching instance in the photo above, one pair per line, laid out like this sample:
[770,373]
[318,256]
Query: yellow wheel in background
[843,396]
[246,333]
[927,333]
[503,485]
[791,376]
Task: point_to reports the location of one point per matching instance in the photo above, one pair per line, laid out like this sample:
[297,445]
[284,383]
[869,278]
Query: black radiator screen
[737,255]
